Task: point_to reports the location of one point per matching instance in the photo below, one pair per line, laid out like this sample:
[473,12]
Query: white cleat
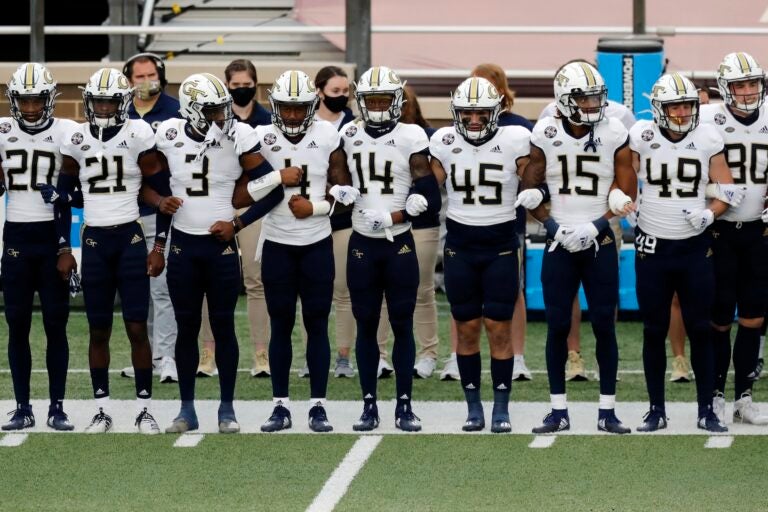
[385,370]
[100,424]
[744,411]
[424,368]
[451,369]
[146,423]
[168,371]
[229,426]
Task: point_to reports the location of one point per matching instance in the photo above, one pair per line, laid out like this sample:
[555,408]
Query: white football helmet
[379,81]
[204,99]
[107,85]
[580,93]
[32,81]
[669,90]
[293,88]
[476,94]
[738,67]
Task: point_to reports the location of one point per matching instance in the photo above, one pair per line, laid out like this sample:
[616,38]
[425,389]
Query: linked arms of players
[340,190]
[156,178]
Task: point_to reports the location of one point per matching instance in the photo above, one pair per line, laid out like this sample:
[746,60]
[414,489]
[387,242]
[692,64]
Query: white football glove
[618,201]
[344,194]
[415,204]
[582,237]
[529,198]
[560,235]
[700,219]
[632,218]
[376,220]
[726,192]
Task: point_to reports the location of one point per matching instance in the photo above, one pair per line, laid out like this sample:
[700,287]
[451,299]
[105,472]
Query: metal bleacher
[245,13]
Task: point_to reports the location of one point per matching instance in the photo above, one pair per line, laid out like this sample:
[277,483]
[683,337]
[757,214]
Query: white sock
[102,402]
[558,401]
[607,402]
[142,403]
[519,359]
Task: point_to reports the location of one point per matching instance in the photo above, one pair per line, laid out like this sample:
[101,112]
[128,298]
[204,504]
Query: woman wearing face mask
[333,88]
[241,80]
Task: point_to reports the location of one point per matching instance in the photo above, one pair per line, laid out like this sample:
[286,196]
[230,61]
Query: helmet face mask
[675,104]
[380,96]
[204,102]
[294,100]
[475,107]
[741,82]
[106,97]
[580,94]
[32,95]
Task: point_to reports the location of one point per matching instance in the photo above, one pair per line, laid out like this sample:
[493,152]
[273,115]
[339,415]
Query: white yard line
[542,442]
[719,442]
[188,440]
[336,486]
[12,440]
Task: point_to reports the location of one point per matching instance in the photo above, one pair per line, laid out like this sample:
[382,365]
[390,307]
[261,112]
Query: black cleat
[711,423]
[280,420]
[655,419]
[21,418]
[58,419]
[405,420]
[369,420]
[500,423]
[608,422]
[473,424]
[318,420]
[555,421]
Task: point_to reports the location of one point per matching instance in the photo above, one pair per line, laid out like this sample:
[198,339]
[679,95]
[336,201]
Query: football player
[739,235]
[386,158]
[29,146]
[297,252]
[109,156]
[579,154]
[203,261]
[479,163]
[676,159]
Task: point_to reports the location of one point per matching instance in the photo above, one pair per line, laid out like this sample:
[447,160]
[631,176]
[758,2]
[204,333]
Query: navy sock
[100,382]
[745,352]
[226,411]
[280,354]
[501,375]
[722,347]
[367,357]
[57,362]
[188,410]
[655,365]
[403,358]
[703,364]
[227,354]
[318,354]
[187,356]
[556,351]
[469,372]
[20,360]
[143,382]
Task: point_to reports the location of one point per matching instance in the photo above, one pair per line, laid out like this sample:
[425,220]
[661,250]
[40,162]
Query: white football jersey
[109,171]
[311,154]
[578,178]
[481,180]
[746,150]
[381,170]
[206,185]
[674,176]
[28,159]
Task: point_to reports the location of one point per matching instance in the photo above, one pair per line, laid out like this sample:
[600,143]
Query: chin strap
[590,144]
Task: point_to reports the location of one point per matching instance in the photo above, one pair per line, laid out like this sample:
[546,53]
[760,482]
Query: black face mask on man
[336,103]
[242,96]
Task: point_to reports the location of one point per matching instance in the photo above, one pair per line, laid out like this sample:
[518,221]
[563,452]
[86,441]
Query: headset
[154,58]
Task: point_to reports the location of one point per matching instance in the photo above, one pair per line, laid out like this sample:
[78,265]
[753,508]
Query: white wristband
[320,208]
[260,187]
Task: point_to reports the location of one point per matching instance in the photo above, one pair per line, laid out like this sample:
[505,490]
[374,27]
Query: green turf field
[247,472]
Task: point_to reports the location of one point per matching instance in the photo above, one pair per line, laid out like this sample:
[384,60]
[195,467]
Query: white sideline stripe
[188,440]
[11,440]
[336,486]
[542,442]
[719,442]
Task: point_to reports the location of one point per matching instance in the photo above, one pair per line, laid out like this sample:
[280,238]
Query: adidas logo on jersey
[228,251]
[404,249]
[50,139]
[496,149]
[136,239]
[764,129]
[312,145]
[390,142]
[690,146]
[123,145]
